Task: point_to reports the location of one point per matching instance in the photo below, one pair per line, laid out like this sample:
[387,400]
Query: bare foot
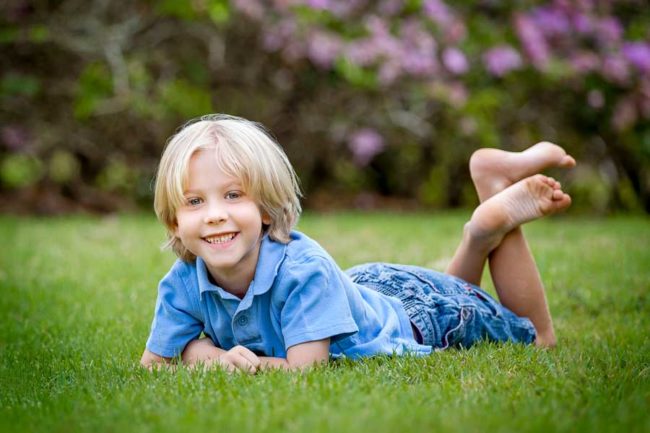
[546,341]
[494,170]
[527,200]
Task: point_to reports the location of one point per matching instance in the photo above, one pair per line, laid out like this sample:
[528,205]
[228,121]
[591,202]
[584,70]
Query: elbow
[149,360]
[302,366]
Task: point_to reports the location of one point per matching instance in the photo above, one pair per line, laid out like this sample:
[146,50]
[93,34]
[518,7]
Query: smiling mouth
[220,239]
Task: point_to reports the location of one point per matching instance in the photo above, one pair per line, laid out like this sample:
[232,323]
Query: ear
[266,219]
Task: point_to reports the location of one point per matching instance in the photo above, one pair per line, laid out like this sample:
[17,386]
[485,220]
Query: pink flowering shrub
[383,96]
[572,65]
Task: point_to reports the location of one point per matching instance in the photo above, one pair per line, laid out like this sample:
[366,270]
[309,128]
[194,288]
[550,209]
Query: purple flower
[250,8]
[277,36]
[323,48]
[338,8]
[438,12]
[616,69]
[361,52]
[638,54]
[584,62]
[532,40]
[551,21]
[391,7]
[418,50]
[365,143]
[14,137]
[501,60]
[376,26]
[418,63]
[319,4]
[455,32]
[609,30]
[455,61]
[389,72]
[583,23]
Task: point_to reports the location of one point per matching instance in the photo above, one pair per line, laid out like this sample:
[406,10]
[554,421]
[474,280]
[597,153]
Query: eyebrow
[226,187]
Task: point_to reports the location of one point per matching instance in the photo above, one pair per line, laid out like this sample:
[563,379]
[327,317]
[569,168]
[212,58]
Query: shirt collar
[268,263]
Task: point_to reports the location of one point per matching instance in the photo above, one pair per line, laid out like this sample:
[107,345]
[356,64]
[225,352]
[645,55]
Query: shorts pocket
[452,322]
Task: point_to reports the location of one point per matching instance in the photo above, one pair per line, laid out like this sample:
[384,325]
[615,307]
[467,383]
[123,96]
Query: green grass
[78,295]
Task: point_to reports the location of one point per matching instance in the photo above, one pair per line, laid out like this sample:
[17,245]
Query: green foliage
[13,84]
[116,176]
[183,9]
[185,99]
[219,11]
[357,76]
[95,86]
[63,167]
[9,34]
[590,190]
[433,191]
[39,34]
[131,73]
[77,312]
[20,170]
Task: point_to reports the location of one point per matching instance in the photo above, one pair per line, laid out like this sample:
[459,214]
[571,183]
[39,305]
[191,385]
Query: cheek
[183,224]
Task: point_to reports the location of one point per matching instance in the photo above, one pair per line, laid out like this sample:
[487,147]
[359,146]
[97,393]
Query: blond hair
[244,150]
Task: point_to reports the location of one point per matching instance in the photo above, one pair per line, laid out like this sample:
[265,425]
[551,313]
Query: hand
[200,351]
[239,358]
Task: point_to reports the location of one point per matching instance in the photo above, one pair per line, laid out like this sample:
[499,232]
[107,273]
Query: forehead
[205,171]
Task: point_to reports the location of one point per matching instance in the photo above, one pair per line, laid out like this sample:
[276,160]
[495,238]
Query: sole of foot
[527,200]
[493,170]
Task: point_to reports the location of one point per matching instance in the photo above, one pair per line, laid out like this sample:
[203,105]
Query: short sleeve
[177,319]
[317,305]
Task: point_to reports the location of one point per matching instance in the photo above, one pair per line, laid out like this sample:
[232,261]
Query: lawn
[78,296]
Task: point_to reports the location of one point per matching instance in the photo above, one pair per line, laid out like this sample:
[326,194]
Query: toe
[567,162]
[564,202]
[558,195]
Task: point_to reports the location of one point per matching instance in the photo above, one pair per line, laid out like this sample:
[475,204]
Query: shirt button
[242,320]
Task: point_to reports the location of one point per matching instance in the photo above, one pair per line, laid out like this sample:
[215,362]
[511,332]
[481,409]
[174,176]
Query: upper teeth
[220,238]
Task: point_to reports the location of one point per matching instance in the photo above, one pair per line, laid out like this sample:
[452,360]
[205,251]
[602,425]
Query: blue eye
[232,195]
[194,201]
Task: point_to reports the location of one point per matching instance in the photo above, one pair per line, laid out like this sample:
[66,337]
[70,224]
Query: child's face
[218,221]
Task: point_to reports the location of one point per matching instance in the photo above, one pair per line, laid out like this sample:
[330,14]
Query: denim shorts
[446,310]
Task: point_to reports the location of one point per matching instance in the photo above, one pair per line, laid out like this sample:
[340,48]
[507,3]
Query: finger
[244,364]
[226,363]
[249,355]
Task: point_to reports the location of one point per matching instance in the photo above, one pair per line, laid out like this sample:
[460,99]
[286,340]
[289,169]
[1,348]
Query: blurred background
[377,103]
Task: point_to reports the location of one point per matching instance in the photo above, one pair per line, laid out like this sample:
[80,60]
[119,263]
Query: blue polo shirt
[298,295]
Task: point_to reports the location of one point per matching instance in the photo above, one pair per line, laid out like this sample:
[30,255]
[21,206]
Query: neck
[237,280]
[234,284]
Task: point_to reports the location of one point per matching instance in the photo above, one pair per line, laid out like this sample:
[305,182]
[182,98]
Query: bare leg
[519,287]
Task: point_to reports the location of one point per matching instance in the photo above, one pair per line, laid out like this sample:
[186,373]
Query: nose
[215,213]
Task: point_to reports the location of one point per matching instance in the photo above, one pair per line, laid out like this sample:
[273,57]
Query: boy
[266,296]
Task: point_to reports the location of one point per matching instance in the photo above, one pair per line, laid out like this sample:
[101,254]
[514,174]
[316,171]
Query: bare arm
[299,356]
[149,360]
[203,352]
